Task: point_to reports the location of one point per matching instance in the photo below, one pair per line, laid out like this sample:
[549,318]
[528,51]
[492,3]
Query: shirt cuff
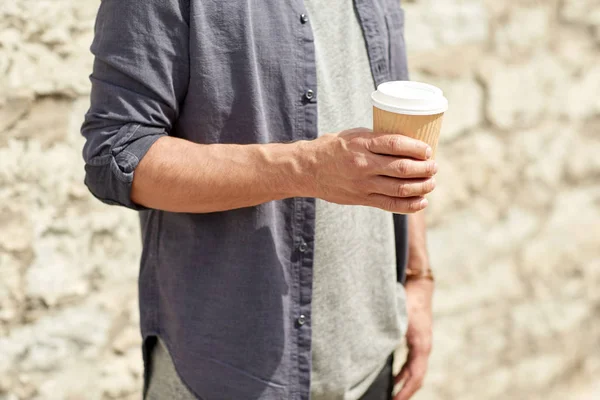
[109,176]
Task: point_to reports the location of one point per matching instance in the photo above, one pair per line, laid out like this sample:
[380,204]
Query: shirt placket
[304,223]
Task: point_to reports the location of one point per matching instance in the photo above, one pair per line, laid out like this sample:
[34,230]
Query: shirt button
[303,247]
[309,94]
[304,18]
[301,320]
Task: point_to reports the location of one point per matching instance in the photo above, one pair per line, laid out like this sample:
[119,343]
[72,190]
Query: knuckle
[394,144]
[355,141]
[403,167]
[389,205]
[358,161]
[402,190]
[362,140]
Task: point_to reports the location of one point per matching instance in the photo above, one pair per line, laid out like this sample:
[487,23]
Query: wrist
[419,274]
[295,166]
[417,263]
[304,169]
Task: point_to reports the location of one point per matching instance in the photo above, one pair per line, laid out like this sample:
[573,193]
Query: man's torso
[231,292]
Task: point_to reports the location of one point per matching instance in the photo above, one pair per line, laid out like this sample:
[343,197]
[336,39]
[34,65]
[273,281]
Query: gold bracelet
[412,275]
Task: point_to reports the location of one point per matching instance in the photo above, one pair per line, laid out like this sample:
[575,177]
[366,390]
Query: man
[204,118]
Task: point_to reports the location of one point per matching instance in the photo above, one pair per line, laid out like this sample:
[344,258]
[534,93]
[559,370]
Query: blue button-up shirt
[230,292]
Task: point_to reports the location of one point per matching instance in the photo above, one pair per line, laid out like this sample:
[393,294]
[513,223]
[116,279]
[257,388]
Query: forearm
[417,242]
[180,176]
[419,289]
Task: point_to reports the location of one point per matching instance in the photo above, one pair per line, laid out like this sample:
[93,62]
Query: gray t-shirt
[358,307]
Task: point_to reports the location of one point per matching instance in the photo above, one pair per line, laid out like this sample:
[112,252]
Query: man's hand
[359,167]
[418,338]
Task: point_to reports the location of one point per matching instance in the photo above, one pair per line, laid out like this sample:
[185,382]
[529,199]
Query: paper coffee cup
[409,108]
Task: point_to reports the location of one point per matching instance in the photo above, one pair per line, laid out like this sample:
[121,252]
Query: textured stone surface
[519,95]
[522,30]
[466,97]
[432,24]
[515,219]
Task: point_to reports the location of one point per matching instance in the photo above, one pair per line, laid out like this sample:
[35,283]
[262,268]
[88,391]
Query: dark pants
[383,386]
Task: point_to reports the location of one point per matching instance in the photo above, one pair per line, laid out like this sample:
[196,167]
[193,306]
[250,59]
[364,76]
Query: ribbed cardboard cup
[412,109]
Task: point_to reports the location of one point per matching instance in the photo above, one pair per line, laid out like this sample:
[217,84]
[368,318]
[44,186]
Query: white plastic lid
[411,98]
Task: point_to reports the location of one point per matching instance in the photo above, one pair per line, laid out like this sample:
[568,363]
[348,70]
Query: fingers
[411,377]
[405,205]
[406,167]
[394,187]
[398,145]
[411,385]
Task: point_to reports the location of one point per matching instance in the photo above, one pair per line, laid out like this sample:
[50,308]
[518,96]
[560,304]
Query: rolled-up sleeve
[139,80]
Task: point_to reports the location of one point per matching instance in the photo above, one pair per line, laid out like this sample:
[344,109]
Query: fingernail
[428,152]
[424,203]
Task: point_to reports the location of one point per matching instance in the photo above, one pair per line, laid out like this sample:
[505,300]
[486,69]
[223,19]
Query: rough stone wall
[515,221]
